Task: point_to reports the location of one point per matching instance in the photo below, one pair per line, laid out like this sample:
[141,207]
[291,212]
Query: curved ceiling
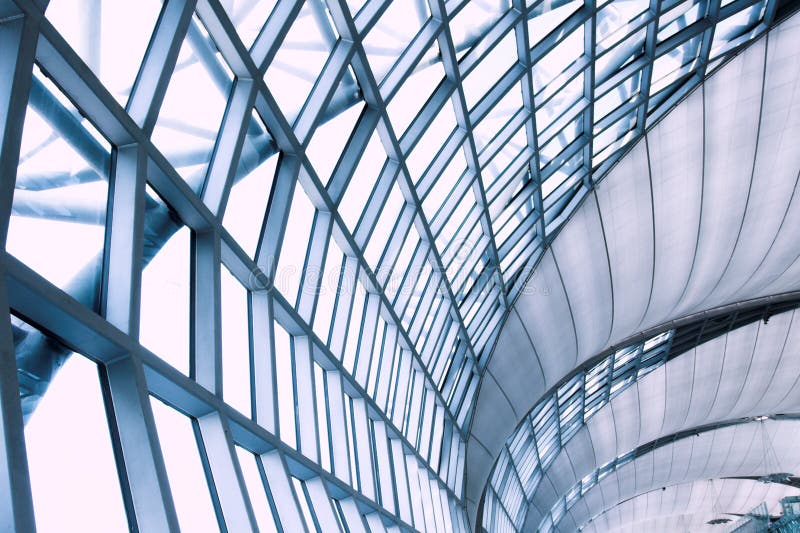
[738,450]
[690,506]
[700,213]
[750,371]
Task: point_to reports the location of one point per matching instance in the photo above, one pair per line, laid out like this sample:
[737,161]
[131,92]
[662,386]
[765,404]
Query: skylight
[308,220]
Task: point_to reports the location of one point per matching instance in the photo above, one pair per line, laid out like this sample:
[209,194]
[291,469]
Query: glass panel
[58,216]
[74,480]
[300,58]
[392,33]
[185,471]
[194,104]
[164,318]
[110,36]
[235,344]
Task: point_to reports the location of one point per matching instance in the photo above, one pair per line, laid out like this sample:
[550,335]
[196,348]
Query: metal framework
[288,142]
[584,485]
[547,428]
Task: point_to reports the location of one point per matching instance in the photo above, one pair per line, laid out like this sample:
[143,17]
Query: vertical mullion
[130,418]
[224,473]
[136,446]
[338,432]
[274,469]
[262,360]
[16,503]
[306,417]
[159,62]
[363,447]
[228,148]
[589,37]
[205,317]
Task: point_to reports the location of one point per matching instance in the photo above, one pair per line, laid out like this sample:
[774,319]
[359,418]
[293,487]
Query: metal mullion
[263,374]
[403,380]
[371,92]
[224,34]
[223,472]
[363,447]
[35,297]
[567,117]
[369,14]
[501,139]
[274,32]
[454,197]
[442,354]
[352,383]
[277,476]
[279,205]
[488,43]
[321,505]
[205,348]
[369,325]
[304,383]
[426,425]
[314,267]
[555,86]
[412,55]
[574,148]
[432,173]
[389,350]
[424,118]
[348,162]
[506,82]
[410,278]
[463,231]
[502,213]
[400,232]
[624,73]
[713,17]
[321,94]
[463,117]
[423,306]
[228,148]
[375,204]
[617,114]
[18,37]
[516,236]
[95,101]
[378,357]
[427,351]
[461,276]
[142,472]
[343,306]
[531,129]
[590,49]
[554,38]
[481,327]
[452,373]
[340,457]
[158,64]
[384,468]
[513,170]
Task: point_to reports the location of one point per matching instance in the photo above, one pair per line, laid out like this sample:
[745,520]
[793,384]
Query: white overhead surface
[702,212]
[689,506]
[731,451]
[751,371]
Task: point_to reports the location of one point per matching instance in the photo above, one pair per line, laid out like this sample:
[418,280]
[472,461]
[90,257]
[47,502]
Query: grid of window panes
[553,421]
[583,486]
[324,208]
